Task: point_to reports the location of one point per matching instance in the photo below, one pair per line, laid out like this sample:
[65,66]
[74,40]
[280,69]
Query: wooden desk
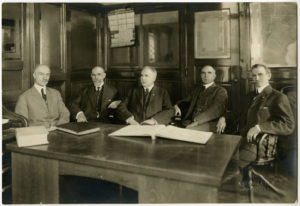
[162,171]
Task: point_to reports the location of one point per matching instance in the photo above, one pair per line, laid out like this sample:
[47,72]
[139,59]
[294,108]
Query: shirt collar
[38,87]
[208,85]
[260,89]
[101,85]
[149,88]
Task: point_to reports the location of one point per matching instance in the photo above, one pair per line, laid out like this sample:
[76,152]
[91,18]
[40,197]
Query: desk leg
[34,179]
[159,190]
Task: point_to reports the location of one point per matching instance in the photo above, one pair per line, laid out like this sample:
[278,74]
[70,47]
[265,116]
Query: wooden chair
[265,157]
[269,151]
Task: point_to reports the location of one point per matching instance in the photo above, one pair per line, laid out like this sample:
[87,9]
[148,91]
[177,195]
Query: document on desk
[30,136]
[169,132]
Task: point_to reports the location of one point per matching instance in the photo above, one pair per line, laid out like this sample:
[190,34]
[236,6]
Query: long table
[161,170]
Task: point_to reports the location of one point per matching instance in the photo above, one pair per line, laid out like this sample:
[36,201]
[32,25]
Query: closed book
[78,128]
[30,136]
[169,132]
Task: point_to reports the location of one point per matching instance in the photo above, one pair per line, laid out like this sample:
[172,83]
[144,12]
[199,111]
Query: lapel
[153,93]
[140,94]
[38,98]
[104,96]
[262,97]
[194,100]
[209,90]
[91,95]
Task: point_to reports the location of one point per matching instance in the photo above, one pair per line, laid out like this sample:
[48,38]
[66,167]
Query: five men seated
[264,111]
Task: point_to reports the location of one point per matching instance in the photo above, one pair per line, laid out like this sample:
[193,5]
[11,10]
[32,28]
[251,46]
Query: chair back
[16,120]
[266,149]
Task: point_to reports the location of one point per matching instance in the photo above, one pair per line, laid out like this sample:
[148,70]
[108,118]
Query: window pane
[161,38]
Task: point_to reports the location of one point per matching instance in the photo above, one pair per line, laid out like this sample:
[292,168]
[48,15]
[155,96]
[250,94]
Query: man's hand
[177,110]
[131,121]
[81,117]
[193,124]
[149,122]
[221,125]
[114,104]
[252,133]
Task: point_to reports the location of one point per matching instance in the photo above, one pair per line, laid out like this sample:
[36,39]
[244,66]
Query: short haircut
[267,69]
[97,67]
[208,66]
[41,65]
[151,68]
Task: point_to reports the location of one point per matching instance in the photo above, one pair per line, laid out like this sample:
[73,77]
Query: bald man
[95,102]
[40,104]
[206,103]
[148,103]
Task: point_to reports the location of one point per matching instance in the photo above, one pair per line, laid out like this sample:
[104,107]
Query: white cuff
[155,122]
[78,113]
[128,119]
[257,126]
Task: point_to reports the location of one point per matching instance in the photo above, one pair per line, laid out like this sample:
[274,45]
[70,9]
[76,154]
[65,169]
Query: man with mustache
[40,104]
[96,101]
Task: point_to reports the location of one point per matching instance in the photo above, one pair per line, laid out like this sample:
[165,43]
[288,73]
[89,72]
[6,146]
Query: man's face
[208,75]
[98,75]
[41,75]
[148,77]
[260,76]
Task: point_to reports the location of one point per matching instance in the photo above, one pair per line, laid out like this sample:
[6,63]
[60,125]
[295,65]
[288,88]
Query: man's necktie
[254,96]
[98,97]
[146,96]
[44,95]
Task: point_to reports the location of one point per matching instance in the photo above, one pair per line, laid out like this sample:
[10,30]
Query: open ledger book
[169,132]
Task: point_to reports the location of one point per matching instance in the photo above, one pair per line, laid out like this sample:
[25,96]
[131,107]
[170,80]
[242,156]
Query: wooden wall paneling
[122,85]
[83,40]
[183,50]
[50,44]
[245,56]
[228,69]
[16,68]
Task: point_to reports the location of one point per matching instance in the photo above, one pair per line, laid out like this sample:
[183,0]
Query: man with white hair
[40,104]
[148,103]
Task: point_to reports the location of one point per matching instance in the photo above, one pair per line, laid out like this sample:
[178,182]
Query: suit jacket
[270,110]
[159,106]
[87,102]
[212,106]
[31,105]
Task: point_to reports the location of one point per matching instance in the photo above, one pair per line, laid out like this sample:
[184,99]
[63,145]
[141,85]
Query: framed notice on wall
[212,34]
[121,26]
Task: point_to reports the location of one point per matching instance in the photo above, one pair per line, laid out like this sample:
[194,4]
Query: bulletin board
[121,26]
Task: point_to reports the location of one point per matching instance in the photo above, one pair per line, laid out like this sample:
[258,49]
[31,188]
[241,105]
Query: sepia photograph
[149,102]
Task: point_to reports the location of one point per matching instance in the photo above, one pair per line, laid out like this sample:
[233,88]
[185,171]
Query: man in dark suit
[96,101]
[265,110]
[207,103]
[148,103]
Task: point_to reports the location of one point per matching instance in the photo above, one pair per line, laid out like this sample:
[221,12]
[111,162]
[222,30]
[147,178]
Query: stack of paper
[30,136]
